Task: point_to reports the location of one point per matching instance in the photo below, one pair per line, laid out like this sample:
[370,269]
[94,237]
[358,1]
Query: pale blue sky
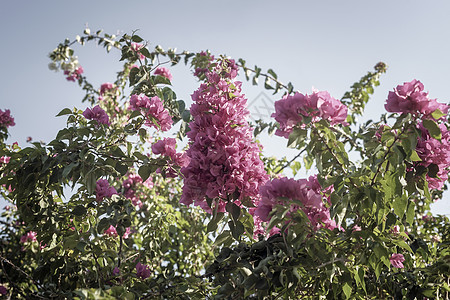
[325,44]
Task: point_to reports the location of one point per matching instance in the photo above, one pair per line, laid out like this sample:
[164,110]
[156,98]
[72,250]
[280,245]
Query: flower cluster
[106,87]
[163,72]
[5,160]
[291,111]
[136,47]
[397,260]
[307,191]
[142,271]
[103,189]
[157,116]
[29,237]
[166,148]
[75,74]
[433,151]
[129,186]
[5,118]
[224,160]
[96,113]
[411,98]
[112,232]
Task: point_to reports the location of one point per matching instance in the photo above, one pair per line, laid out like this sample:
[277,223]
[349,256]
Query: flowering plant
[149,216]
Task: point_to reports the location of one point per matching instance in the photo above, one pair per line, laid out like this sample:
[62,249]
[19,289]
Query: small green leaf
[121,168]
[136,39]
[347,289]
[433,128]
[437,114]
[65,111]
[233,210]
[79,210]
[145,171]
[414,156]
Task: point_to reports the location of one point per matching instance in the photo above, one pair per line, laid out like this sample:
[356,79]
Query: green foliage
[379,201]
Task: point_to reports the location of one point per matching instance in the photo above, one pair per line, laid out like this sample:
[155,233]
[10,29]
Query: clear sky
[326,44]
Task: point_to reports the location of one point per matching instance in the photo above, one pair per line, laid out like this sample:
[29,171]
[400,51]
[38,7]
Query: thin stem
[289,162]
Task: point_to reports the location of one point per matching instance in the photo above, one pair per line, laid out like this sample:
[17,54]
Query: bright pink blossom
[103,189]
[127,233]
[411,98]
[130,186]
[291,111]
[105,87]
[157,116]
[166,147]
[397,260]
[98,114]
[163,72]
[433,151]
[5,159]
[136,47]
[224,160]
[308,191]
[5,118]
[74,75]
[111,231]
[30,236]
[142,271]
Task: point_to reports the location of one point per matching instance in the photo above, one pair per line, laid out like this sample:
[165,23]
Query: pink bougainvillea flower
[307,191]
[5,159]
[127,233]
[29,237]
[153,109]
[432,151]
[98,114]
[105,87]
[116,271]
[74,75]
[163,72]
[111,231]
[136,48]
[142,271]
[5,118]
[397,260]
[411,98]
[291,111]
[166,148]
[103,189]
[224,160]
[129,186]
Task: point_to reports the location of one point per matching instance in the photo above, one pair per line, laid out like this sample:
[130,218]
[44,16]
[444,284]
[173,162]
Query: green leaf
[121,168]
[400,205]
[186,116]
[212,225]
[437,114]
[401,243]
[144,51]
[414,156]
[271,72]
[347,289]
[136,39]
[102,225]
[79,210]
[233,210]
[145,171]
[81,245]
[65,111]
[433,128]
